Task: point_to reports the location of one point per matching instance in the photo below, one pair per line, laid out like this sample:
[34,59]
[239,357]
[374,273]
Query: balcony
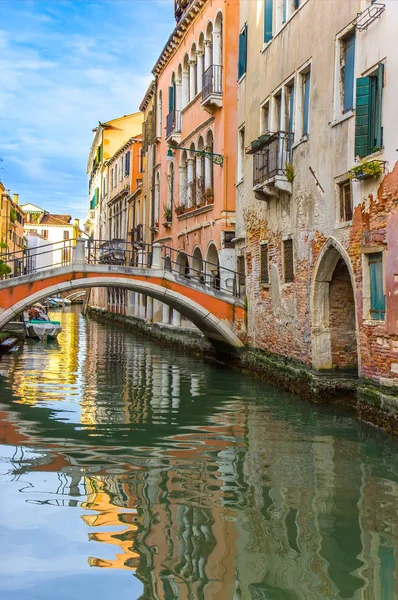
[137,234]
[212,88]
[272,164]
[173,127]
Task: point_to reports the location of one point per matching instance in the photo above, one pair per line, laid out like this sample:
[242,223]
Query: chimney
[16,198]
[77,223]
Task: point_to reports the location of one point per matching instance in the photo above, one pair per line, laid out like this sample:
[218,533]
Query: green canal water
[132,471]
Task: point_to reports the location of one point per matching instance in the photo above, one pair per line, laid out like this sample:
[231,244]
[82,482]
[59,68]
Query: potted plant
[373,168]
[13,215]
[167,213]
[208,196]
[179,208]
[289,171]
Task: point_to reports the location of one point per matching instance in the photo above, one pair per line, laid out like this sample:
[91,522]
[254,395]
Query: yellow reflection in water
[102,494]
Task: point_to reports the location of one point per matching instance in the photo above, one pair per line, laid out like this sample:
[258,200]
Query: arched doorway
[334,329]
[197,265]
[213,267]
[182,265]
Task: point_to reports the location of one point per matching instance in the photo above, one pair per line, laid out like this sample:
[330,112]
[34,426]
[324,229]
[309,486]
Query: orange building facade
[195,136]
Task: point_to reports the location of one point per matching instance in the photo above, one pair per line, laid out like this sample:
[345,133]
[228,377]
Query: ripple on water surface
[128,470]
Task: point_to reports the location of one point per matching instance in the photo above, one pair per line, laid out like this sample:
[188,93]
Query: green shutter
[171,98]
[380,84]
[242,52]
[362,117]
[377,297]
[268,15]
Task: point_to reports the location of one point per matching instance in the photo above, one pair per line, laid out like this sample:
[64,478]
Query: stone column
[136,304]
[185,88]
[165,314]
[183,184]
[149,310]
[157,256]
[79,257]
[199,70]
[192,79]
[176,318]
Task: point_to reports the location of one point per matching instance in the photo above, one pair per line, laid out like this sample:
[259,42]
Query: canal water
[129,470]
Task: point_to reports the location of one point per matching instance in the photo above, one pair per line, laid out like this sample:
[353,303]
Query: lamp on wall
[217,159]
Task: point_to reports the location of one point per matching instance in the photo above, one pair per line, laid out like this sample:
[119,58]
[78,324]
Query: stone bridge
[220,315]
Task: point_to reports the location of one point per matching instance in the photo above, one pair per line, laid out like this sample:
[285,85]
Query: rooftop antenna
[1,169]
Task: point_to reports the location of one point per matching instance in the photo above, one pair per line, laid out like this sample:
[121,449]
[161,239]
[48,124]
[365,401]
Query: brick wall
[342,319]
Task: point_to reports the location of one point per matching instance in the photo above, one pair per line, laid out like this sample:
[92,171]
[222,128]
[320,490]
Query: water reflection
[197,481]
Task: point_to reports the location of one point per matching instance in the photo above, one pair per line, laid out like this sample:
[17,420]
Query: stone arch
[182,265]
[183,179]
[197,265]
[218,333]
[212,266]
[333,310]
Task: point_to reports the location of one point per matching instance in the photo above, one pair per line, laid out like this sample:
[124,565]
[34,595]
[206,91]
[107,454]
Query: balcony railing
[212,82]
[173,122]
[271,155]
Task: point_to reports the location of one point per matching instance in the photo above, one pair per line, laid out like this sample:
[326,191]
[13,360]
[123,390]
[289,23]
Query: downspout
[154,120]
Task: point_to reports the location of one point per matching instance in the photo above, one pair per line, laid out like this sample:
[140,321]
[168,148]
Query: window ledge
[343,118]
[238,183]
[197,211]
[370,157]
[266,44]
[343,224]
[305,138]
[265,286]
[373,322]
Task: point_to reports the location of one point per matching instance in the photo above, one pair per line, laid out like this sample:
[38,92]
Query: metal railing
[193,269]
[272,156]
[203,272]
[212,81]
[173,122]
[37,259]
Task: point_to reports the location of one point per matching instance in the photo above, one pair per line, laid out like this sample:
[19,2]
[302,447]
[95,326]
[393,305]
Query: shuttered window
[264,271]
[348,72]
[377,297]
[171,98]
[288,260]
[268,16]
[127,163]
[368,129]
[242,52]
[345,202]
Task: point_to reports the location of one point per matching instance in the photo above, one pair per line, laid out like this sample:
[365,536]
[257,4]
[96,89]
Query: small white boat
[44,330]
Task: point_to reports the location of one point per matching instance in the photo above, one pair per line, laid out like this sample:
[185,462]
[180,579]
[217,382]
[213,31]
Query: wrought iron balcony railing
[212,81]
[272,153]
[173,122]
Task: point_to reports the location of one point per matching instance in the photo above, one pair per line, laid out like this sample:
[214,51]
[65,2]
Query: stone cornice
[178,34]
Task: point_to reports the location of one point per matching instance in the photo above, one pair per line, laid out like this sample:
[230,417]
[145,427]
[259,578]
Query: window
[104,186]
[377,296]
[140,162]
[288,260]
[306,100]
[44,233]
[121,169]
[345,202]
[111,179]
[66,235]
[289,107]
[265,118]
[241,154]
[242,52]
[277,112]
[347,60]
[368,113]
[127,163]
[115,174]
[264,270]
[268,18]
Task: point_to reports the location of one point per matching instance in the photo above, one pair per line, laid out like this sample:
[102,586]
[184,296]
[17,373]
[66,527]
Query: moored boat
[43,329]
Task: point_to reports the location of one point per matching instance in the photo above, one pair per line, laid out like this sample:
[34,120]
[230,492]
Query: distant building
[56,232]
[11,229]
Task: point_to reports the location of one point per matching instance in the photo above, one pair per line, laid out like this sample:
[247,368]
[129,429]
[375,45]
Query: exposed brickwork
[342,319]
[280,317]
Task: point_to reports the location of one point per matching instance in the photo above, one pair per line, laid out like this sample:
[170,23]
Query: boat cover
[44,328]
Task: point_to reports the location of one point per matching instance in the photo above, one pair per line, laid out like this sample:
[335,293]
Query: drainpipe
[154,120]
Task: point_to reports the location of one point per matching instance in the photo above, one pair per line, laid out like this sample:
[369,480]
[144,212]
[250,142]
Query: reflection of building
[109,497]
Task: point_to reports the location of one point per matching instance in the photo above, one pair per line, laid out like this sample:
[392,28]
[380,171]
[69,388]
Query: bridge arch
[214,328]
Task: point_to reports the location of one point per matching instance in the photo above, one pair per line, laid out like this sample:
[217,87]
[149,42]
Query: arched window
[217,40]
[209,166]
[200,172]
[157,199]
[212,267]
[183,180]
[185,81]
[170,199]
[209,46]
[192,73]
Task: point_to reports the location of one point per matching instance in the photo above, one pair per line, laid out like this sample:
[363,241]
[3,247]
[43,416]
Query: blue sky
[64,66]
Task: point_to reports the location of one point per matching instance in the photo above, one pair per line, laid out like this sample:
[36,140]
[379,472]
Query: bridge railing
[118,252]
[36,259]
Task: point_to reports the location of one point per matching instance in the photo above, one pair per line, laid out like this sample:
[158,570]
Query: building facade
[12,239]
[317,186]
